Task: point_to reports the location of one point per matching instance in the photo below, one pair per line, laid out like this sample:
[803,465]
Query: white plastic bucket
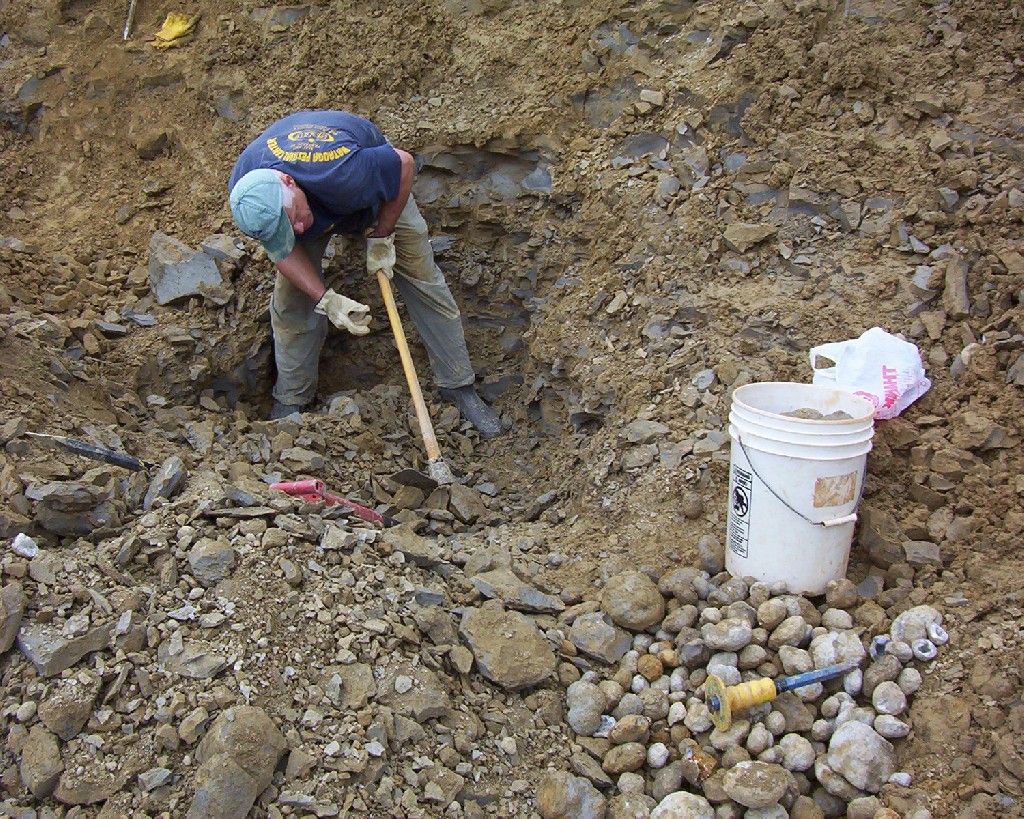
[794,483]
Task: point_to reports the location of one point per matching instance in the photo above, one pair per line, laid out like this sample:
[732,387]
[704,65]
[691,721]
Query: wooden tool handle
[426,428]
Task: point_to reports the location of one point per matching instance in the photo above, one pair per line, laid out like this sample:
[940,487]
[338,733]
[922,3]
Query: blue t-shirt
[342,162]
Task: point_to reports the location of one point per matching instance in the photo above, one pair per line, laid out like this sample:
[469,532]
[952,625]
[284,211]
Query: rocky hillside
[641,207]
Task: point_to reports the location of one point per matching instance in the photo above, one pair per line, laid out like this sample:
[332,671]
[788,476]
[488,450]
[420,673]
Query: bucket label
[739,511]
[835,490]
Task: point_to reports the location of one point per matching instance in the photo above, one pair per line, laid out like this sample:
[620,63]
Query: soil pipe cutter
[723,700]
[314,491]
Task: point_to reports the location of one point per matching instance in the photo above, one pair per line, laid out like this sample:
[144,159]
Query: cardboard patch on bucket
[834,490]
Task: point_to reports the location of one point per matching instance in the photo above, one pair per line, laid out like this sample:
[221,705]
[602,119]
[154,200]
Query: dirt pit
[640,207]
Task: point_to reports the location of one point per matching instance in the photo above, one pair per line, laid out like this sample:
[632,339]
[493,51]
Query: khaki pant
[299,333]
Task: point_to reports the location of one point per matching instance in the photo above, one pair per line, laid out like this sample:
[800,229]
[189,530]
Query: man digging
[316,173]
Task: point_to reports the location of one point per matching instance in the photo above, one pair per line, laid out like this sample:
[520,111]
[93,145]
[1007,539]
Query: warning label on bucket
[739,511]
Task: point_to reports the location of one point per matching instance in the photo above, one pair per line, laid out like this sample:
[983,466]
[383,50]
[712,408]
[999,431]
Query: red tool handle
[313,490]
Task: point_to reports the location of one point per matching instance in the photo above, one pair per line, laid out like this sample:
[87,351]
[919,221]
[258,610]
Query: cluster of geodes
[646,741]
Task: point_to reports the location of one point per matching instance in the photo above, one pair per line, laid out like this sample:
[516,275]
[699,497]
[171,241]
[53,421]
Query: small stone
[630,756]
[561,794]
[649,667]
[633,601]
[888,698]
[586,703]
[890,727]
[683,805]
[756,784]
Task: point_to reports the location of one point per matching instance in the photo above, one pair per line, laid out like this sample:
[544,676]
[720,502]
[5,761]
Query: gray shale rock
[237,759]
[177,271]
[514,593]
[51,651]
[596,637]
[508,648]
[211,561]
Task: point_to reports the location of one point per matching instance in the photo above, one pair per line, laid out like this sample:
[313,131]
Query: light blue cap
[257,204]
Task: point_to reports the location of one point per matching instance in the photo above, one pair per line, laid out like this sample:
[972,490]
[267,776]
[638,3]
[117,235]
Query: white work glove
[380,255]
[344,313]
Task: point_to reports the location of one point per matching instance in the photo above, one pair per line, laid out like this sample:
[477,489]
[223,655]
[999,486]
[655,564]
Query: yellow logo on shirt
[313,152]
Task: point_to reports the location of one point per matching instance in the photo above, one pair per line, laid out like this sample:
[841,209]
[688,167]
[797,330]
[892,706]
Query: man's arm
[390,211]
[298,269]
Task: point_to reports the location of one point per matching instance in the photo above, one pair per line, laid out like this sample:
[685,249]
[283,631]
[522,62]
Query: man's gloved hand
[344,313]
[380,255]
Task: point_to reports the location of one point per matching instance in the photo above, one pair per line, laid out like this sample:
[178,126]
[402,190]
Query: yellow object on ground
[174,30]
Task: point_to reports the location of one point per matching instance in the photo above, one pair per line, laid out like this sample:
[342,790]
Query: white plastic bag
[880,367]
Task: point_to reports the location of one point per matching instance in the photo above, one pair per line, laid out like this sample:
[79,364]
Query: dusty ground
[873,137]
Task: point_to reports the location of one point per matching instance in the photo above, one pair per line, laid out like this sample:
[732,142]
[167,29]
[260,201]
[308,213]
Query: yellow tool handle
[426,428]
[751,693]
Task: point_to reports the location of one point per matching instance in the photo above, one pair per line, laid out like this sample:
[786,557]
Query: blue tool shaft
[811,677]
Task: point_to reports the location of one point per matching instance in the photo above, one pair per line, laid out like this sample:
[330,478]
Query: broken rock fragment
[595,636]
[67,708]
[505,586]
[12,609]
[211,561]
[415,692]
[51,650]
[237,759]
[561,794]
[741,237]
[177,271]
[166,481]
[41,764]
[191,659]
[508,648]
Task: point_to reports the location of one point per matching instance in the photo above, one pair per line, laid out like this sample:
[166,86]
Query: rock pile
[643,732]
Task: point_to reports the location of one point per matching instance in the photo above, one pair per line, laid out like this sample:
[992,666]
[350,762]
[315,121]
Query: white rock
[837,620]
[853,683]
[683,805]
[862,757]
[836,647]
[676,713]
[776,723]
[698,719]
[798,753]
[913,623]
[657,755]
[677,680]
[888,698]
[24,546]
